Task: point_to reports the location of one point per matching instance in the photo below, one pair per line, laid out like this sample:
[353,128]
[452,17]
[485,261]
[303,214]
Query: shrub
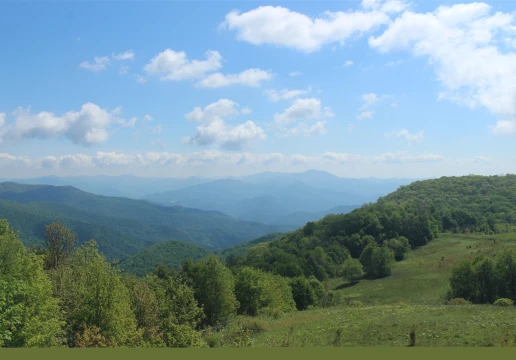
[458,301]
[355,303]
[504,302]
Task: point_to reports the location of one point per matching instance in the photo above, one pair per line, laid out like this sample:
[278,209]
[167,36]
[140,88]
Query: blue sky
[384,88]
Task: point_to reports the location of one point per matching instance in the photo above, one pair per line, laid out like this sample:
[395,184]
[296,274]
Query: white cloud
[318,128]
[241,135]
[344,157]
[128,123]
[249,77]
[295,73]
[172,65]
[222,108]
[365,115]
[123,70]
[403,158]
[302,109]
[99,63]
[126,55]
[146,118]
[87,126]
[67,161]
[504,127]
[285,94]
[282,27]
[369,101]
[348,63]
[463,44]
[2,119]
[386,6]
[6,159]
[405,134]
[214,130]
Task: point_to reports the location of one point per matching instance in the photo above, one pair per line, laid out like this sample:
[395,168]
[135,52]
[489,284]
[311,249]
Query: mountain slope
[169,253]
[209,228]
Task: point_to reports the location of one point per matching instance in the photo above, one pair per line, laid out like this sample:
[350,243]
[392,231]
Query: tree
[29,315]
[213,286]
[462,281]
[59,243]
[352,271]
[302,292]
[92,294]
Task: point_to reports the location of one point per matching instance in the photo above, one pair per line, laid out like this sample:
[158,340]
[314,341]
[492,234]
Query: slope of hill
[133,218]
[169,253]
[417,212]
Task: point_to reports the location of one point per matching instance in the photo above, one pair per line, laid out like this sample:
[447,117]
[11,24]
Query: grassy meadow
[385,311]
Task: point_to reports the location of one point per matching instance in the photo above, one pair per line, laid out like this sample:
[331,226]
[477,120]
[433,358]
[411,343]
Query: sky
[371,88]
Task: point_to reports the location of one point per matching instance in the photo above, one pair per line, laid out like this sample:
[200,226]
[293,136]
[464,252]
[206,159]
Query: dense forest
[65,293]
[380,233]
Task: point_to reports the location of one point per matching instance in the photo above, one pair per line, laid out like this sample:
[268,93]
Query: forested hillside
[382,232]
[170,253]
[121,226]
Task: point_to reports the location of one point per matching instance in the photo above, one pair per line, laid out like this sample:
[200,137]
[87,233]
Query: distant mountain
[280,198]
[169,253]
[131,224]
[123,185]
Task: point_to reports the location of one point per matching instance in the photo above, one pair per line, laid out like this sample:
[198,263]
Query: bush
[504,302]
[355,303]
[458,301]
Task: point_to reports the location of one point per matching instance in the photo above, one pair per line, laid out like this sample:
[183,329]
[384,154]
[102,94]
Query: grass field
[412,298]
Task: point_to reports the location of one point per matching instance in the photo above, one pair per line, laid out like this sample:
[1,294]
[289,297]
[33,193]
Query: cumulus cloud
[303,109]
[10,160]
[88,126]
[214,130]
[249,77]
[464,44]
[504,127]
[348,63]
[300,113]
[126,55]
[99,63]
[407,136]
[285,94]
[123,70]
[2,119]
[260,26]
[175,65]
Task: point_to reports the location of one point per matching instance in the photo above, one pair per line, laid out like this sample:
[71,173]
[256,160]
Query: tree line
[63,295]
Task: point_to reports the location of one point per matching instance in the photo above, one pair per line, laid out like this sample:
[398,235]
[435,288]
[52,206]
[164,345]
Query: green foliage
[169,253]
[29,315]
[377,261]
[213,286]
[406,219]
[303,293]
[178,312]
[352,271]
[458,301]
[92,294]
[483,280]
[504,302]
